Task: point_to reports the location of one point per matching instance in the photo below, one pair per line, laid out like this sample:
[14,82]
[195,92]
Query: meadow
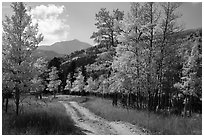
[49,117]
[152,122]
[38,117]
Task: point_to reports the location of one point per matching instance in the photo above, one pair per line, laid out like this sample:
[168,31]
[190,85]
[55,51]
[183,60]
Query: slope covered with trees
[144,60]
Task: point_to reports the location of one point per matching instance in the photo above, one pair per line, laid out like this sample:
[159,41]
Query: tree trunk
[190,103]
[116,99]
[3,100]
[185,107]
[17,97]
[54,94]
[40,96]
[149,101]
[7,104]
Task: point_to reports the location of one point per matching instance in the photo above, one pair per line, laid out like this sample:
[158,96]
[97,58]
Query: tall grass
[156,124]
[39,118]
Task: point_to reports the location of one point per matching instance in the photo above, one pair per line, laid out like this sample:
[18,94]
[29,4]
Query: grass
[39,118]
[68,98]
[156,124]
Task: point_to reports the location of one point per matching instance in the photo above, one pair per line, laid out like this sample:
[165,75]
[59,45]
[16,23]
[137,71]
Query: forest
[144,61]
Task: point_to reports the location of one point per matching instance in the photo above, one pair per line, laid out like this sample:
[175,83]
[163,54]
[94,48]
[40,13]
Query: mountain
[46,54]
[82,58]
[66,47]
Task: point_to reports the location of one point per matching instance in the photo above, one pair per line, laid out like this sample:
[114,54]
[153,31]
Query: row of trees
[140,62]
[144,64]
[147,59]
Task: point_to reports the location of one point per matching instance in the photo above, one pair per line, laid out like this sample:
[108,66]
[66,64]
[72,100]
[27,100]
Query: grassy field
[49,117]
[156,124]
[38,118]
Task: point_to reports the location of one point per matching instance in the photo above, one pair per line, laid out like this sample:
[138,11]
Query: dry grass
[157,124]
[39,118]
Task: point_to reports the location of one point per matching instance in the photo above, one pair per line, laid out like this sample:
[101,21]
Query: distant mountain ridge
[82,58]
[66,47]
[46,54]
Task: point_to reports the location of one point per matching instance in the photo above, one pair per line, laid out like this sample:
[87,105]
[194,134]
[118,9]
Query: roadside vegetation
[38,117]
[153,123]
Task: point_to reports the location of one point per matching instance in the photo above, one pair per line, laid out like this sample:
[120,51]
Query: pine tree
[107,32]
[105,37]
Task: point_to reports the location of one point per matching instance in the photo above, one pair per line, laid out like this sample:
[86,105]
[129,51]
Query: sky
[65,21]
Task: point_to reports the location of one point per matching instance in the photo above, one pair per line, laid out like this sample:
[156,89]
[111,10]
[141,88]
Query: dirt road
[95,125]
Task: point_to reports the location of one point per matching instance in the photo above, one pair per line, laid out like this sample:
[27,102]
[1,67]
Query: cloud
[5,7]
[50,23]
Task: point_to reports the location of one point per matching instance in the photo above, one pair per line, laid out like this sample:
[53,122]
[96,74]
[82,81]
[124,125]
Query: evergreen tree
[107,32]
[106,37]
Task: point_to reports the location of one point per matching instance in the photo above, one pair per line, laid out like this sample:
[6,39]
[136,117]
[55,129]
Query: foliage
[91,85]
[54,81]
[38,82]
[79,83]
[131,61]
[68,83]
[139,63]
[107,32]
[105,37]
[147,63]
[20,39]
[191,81]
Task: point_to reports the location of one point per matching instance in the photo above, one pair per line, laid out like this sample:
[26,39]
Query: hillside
[91,55]
[46,54]
[95,50]
[66,47]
